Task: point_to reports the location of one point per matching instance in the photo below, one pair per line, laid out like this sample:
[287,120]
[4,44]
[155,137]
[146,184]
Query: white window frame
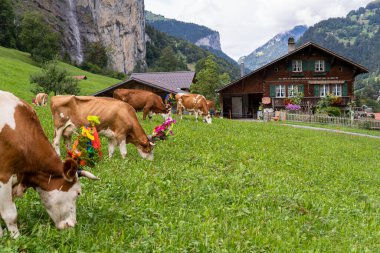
[296,66]
[292,90]
[323,90]
[319,66]
[336,90]
[280,91]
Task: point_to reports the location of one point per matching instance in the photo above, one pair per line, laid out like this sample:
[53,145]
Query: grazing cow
[41,99]
[27,159]
[118,122]
[143,100]
[193,103]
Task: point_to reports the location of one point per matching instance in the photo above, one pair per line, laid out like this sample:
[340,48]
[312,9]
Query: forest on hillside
[357,37]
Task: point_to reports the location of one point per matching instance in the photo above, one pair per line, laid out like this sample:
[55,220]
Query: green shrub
[332,111]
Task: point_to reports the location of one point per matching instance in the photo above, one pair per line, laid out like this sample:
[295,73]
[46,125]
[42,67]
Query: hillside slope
[16,67]
[198,35]
[273,49]
[356,36]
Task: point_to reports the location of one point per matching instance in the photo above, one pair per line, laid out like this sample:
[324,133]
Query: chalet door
[237,107]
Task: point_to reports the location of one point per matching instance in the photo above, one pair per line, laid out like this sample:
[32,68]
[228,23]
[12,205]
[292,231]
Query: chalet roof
[308,44]
[168,81]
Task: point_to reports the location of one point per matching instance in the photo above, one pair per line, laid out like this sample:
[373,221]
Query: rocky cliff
[212,40]
[118,24]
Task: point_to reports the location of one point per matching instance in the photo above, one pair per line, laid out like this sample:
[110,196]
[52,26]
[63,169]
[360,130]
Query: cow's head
[168,112]
[207,119]
[146,150]
[60,203]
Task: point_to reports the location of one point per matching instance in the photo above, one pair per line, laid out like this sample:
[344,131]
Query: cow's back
[138,99]
[23,143]
[77,108]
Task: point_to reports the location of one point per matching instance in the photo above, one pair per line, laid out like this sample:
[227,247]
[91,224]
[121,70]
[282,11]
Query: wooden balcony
[309,101]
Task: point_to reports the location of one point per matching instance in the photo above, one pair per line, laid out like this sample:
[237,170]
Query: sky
[245,25]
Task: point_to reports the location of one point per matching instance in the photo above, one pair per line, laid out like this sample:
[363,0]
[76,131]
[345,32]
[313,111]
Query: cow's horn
[153,144]
[89,175]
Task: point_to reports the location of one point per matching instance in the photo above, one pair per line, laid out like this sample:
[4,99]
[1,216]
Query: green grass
[16,67]
[227,187]
[335,127]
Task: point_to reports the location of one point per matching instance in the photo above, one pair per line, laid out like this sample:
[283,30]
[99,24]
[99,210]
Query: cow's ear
[70,168]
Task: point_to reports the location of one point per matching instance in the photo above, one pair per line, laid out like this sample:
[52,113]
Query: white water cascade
[73,22]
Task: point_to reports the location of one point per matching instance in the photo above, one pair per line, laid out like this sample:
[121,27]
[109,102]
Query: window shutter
[345,90]
[290,66]
[272,91]
[327,66]
[305,66]
[312,65]
[301,89]
[316,90]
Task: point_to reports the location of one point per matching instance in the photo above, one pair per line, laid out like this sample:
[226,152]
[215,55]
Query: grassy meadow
[231,186]
[227,187]
[16,67]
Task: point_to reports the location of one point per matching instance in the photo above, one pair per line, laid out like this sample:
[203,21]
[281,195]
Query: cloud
[245,25]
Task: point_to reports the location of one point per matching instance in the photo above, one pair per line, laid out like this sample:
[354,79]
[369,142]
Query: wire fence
[365,123]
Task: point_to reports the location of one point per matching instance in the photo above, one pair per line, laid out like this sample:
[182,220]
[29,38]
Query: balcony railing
[309,101]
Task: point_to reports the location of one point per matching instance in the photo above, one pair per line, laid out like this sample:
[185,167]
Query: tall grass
[227,187]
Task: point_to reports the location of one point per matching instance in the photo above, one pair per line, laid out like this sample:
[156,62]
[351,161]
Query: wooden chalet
[310,69]
[160,83]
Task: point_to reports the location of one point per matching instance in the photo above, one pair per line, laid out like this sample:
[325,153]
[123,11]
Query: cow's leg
[111,146]
[196,115]
[123,148]
[8,209]
[146,111]
[179,111]
[56,140]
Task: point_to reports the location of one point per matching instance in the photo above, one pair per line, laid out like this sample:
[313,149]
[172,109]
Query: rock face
[212,40]
[118,24]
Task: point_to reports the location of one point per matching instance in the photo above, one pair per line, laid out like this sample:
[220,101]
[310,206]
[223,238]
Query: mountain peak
[273,49]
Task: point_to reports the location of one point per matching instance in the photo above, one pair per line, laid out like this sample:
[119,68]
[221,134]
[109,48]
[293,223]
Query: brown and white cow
[41,99]
[193,103]
[118,122]
[27,159]
[143,100]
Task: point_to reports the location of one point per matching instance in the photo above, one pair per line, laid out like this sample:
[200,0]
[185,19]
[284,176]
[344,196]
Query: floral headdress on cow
[86,149]
[163,131]
[170,99]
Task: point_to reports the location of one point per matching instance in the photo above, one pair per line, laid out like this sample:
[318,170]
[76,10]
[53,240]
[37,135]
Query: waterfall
[73,22]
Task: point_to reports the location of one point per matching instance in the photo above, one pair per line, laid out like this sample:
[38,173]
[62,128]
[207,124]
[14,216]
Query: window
[337,90]
[297,66]
[292,90]
[275,69]
[280,91]
[323,90]
[319,66]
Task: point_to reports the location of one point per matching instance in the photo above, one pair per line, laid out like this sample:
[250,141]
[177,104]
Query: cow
[143,100]
[118,122]
[193,103]
[27,159]
[41,99]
